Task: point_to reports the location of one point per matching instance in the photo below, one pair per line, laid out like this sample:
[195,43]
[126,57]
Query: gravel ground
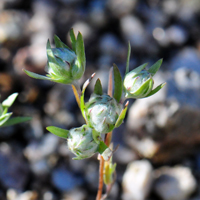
[159,139]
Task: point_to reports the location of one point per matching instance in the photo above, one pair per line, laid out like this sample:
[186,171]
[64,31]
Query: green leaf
[105,151]
[118,83]
[155,67]
[139,69]
[59,43]
[73,40]
[10,100]
[143,89]
[4,118]
[16,120]
[102,147]
[1,109]
[63,133]
[80,50]
[37,76]
[121,116]
[98,87]
[128,58]
[156,89]
[53,63]
[82,103]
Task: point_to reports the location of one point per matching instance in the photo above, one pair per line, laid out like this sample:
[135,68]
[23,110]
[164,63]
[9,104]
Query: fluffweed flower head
[102,112]
[64,65]
[83,141]
[139,82]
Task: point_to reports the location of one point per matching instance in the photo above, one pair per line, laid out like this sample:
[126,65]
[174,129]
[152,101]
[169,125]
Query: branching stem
[101,167]
[108,138]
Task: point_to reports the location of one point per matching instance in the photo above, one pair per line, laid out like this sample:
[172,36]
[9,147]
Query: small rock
[108,44]
[48,195]
[13,168]
[64,180]
[124,155]
[97,13]
[174,183]
[137,180]
[40,167]
[121,7]
[28,195]
[176,34]
[76,194]
[37,150]
[133,31]
[12,26]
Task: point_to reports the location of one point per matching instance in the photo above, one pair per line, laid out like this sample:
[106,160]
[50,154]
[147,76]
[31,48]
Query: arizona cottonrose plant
[102,112]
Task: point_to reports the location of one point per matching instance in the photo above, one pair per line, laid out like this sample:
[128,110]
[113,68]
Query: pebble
[174,183]
[137,180]
[12,26]
[108,44]
[76,194]
[133,31]
[64,180]
[38,150]
[124,155]
[97,13]
[14,171]
[28,195]
[121,7]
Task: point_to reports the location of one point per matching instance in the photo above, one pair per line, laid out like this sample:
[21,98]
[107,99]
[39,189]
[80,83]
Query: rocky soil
[159,153]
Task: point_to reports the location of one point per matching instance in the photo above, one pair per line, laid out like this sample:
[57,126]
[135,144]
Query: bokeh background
[159,153]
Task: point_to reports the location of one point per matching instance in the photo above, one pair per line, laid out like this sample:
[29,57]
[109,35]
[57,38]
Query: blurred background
[159,153]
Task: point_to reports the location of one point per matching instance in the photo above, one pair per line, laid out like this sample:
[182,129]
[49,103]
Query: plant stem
[107,139]
[101,167]
[108,136]
[77,94]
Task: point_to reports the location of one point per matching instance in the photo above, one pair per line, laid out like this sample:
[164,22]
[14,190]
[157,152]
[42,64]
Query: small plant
[5,119]
[103,112]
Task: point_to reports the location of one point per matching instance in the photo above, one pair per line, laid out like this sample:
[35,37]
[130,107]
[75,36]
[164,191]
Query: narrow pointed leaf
[110,82]
[98,87]
[76,95]
[16,120]
[73,40]
[118,85]
[102,147]
[104,151]
[1,109]
[10,100]
[37,76]
[156,89]
[53,62]
[155,67]
[82,103]
[4,118]
[80,50]
[139,69]
[121,116]
[128,58]
[143,89]
[59,43]
[63,133]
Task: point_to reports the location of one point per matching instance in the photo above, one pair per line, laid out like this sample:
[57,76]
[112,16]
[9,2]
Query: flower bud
[102,112]
[138,83]
[82,143]
[64,65]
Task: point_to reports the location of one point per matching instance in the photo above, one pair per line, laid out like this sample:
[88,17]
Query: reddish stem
[108,138]
[100,189]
